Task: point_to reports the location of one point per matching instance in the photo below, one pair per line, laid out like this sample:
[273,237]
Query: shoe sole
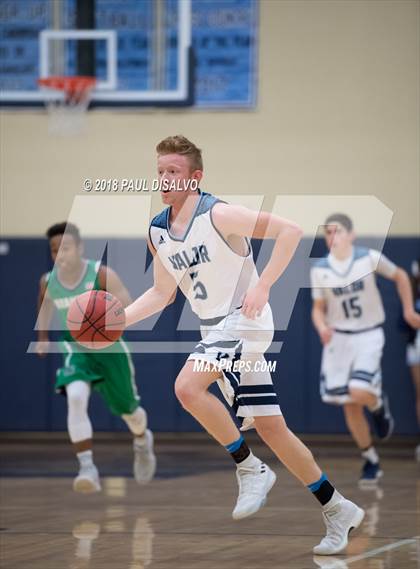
[373,483]
[270,484]
[85,486]
[354,524]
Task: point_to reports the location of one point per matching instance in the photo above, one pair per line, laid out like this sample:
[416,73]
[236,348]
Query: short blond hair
[179,144]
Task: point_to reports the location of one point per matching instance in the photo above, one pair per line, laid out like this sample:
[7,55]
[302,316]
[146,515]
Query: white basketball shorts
[235,346]
[351,360]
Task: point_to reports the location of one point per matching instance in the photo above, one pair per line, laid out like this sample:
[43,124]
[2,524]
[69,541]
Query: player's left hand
[254,301]
[413,319]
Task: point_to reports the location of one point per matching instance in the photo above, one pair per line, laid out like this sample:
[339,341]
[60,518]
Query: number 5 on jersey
[198,288]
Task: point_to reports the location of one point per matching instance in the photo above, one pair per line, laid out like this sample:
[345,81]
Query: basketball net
[67,111]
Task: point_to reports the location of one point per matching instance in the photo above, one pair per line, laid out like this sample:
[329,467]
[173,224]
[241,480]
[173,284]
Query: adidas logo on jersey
[161,240]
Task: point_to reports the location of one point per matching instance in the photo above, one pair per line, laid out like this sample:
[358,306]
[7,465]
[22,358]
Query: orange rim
[69,84]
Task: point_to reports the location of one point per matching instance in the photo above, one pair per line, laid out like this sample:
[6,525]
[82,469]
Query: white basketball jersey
[349,288]
[211,275]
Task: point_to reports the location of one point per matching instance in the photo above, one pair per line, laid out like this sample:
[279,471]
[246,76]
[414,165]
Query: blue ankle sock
[238,450]
[322,489]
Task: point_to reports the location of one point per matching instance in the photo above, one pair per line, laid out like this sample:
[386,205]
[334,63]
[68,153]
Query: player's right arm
[45,313]
[319,309]
[156,298]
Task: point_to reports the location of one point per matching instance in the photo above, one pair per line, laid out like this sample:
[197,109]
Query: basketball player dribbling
[202,245]
[348,315]
[110,372]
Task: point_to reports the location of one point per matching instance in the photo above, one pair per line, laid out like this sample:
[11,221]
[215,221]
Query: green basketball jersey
[110,371]
[63,296]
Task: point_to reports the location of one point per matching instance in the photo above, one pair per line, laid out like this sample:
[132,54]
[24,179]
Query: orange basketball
[96,319]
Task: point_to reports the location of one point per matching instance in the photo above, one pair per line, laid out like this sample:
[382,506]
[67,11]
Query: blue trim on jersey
[345,272]
[324,263]
[232,447]
[168,229]
[160,219]
[360,252]
[321,263]
[206,203]
[317,485]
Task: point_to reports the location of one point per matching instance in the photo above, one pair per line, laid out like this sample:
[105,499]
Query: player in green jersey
[108,371]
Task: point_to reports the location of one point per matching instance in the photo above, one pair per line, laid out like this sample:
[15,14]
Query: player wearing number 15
[348,316]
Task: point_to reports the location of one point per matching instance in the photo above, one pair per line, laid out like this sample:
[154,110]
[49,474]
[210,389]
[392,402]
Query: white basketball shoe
[87,481]
[255,482]
[340,518]
[144,458]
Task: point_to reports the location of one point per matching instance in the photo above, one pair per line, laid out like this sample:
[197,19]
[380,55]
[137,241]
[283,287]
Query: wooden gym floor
[182,520]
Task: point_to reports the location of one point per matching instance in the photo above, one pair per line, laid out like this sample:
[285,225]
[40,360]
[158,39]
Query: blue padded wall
[28,401]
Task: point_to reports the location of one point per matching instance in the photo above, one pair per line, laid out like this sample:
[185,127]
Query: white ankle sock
[371,455]
[85,458]
[251,461]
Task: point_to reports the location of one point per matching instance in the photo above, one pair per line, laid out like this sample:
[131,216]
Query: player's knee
[351,409]
[186,393]
[137,421]
[353,412]
[266,431]
[361,397]
[77,396]
[269,427]
[356,395]
[76,401]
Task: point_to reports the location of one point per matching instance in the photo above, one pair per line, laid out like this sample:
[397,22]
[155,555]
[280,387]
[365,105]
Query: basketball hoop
[67,109]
